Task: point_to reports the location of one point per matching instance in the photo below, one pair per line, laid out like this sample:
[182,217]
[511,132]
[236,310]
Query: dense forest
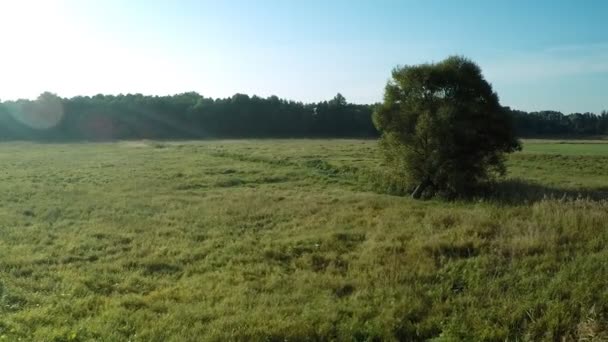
[192,116]
[553,123]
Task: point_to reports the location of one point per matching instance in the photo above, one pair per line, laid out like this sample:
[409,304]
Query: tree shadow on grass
[517,191]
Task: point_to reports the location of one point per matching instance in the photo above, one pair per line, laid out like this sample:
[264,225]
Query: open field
[567,147]
[290,240]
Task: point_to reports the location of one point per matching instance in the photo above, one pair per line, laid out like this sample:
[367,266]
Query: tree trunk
[420,188]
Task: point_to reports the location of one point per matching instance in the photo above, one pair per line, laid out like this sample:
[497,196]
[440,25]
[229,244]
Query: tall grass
[280,240]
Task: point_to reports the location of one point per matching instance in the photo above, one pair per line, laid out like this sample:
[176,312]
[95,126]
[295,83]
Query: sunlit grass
[287,240]
[568,147]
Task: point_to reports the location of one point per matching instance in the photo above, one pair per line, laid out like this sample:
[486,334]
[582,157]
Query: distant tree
[603,123]
[339,101]
[442,127]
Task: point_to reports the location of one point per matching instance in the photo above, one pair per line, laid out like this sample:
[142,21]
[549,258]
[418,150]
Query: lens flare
[44,113]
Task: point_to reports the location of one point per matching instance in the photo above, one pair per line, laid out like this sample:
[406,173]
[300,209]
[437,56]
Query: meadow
[295,240]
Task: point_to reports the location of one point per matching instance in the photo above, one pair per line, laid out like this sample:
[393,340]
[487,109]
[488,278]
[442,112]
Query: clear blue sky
[537,54]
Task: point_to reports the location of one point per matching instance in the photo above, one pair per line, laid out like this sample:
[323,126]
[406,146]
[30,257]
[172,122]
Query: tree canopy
[182,116]
[193,116]
[442,126]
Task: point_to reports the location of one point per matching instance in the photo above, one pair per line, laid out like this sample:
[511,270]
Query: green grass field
[290,240]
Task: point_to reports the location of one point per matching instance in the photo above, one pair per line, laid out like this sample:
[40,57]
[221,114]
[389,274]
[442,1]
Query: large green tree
[442,127]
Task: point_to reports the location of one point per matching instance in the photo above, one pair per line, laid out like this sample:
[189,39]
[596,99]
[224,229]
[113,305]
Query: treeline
[183,116]
[192,116]
[552,123]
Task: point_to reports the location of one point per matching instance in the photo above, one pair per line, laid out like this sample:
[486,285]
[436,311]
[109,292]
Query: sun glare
[35,35]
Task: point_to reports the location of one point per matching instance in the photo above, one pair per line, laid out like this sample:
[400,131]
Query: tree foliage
[550,123]
[182,116]
[443,127]
[193,116]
